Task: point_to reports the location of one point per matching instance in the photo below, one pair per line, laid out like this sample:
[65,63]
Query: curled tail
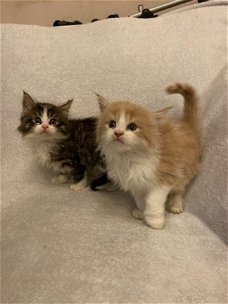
[191,103]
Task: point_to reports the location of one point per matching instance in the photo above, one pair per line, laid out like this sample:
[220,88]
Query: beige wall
[46,12]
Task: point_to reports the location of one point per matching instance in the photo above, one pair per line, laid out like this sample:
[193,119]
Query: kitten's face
[124,127]
[43,121]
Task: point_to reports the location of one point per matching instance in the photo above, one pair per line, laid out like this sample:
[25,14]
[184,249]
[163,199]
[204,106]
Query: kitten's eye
[37,121]
[53,122]
[112,124]
[132,126]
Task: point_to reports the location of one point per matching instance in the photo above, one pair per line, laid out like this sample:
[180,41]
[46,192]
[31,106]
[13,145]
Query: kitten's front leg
[82,184]
[154,214]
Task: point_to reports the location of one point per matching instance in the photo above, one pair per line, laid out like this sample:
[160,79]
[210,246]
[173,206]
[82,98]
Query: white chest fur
[133,173]
[42,153]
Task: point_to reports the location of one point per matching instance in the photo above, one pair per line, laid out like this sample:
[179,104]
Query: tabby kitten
[150,156]
[66,146]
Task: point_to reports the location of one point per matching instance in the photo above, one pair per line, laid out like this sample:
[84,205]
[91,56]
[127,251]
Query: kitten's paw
[138,214]
[78,187]
[61,179]
[155,222]
[175,207]
[81,185]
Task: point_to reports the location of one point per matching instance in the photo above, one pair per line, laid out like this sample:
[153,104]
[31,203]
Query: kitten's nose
[44,126]
[118,133]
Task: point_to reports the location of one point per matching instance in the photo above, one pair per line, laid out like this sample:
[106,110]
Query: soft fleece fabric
[60,246]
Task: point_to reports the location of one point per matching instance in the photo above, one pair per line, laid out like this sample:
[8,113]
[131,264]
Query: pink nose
[118,133]
[44,126]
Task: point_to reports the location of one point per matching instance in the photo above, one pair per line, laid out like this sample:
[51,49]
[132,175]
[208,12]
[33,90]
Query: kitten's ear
[103,103]
[28,102]
[161,113]
[66,106]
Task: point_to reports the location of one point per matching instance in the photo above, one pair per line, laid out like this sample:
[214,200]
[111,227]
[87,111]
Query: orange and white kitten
[151,157]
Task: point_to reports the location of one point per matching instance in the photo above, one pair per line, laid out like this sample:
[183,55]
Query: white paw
[82,184]
[77,187]
[175,208]
[61,179]
[136,213]
[156,222]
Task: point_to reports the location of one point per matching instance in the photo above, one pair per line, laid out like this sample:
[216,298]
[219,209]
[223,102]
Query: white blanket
[59,246]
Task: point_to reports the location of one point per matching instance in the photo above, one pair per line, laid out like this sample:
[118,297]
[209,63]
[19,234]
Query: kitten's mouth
[119,140]
[44,132]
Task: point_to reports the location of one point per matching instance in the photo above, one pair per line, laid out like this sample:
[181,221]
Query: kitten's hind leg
[110,187]
[103,183]
[60,179]
[98,183]
[174,203]
[82,184]
[138,214]
[154,214]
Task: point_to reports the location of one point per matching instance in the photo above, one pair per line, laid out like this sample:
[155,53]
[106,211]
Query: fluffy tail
[191,103]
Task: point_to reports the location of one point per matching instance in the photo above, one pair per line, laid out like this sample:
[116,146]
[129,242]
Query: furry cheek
[52,130]
[134,139]
[143,141]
